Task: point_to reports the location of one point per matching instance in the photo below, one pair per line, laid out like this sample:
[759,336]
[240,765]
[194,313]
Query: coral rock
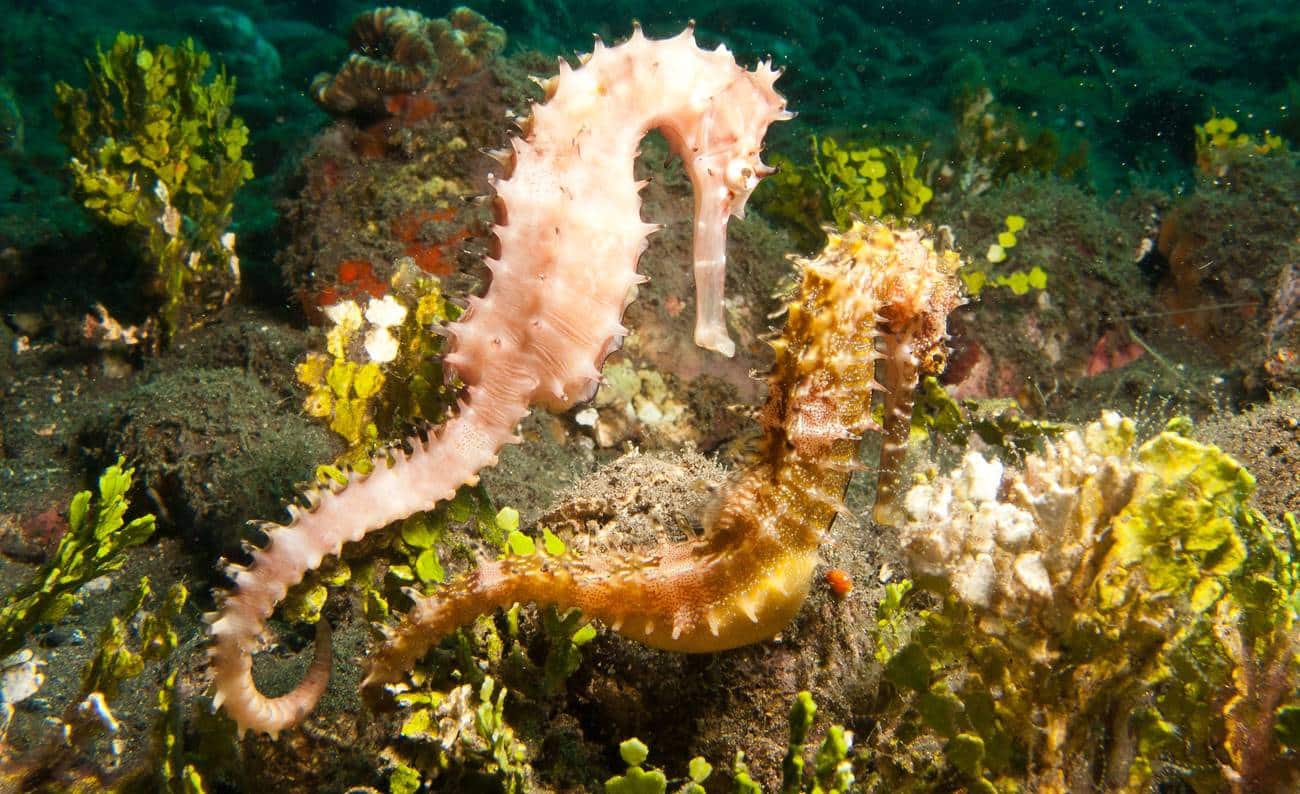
[397,51]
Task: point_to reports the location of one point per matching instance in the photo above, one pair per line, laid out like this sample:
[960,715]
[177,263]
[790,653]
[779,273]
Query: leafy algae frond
[93,546]
[156,150]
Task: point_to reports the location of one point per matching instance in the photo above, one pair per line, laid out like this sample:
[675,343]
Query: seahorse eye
[740,176]
[935,361]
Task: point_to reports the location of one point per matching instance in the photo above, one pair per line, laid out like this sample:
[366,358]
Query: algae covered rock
[213,446]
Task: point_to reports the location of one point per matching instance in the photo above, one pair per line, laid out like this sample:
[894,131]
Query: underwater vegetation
[156,150]
[869,182]
[848,178]
[1111,612]
[831,770]
[92,546]
[911,566]
[381,370]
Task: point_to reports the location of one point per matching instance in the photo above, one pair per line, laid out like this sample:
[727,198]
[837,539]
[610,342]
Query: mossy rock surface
[1266,440]
[248,339]
[214,448]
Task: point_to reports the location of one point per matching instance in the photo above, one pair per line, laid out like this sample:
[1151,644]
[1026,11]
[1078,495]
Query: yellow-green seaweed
[155,148]
[94,544]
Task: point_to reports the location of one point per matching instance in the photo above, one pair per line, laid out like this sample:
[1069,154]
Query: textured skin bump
[747,577]
[570,233]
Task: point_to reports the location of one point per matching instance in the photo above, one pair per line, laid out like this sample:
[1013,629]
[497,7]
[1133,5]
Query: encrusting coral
[1008,552]
[548,320]
[397,51]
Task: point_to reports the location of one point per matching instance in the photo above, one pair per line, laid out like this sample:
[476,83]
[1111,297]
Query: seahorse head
[719,133]
[735,139]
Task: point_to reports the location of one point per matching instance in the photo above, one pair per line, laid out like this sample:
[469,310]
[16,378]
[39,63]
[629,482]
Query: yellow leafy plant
[869,181]
[1019,282]
[1220,144]
[380,371]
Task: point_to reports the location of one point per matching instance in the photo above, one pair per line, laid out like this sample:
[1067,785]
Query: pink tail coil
[400,484]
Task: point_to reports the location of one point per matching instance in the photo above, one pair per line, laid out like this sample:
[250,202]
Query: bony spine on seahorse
[570,234]
[750,572]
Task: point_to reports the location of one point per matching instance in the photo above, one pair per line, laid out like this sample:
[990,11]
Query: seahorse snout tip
[717,340]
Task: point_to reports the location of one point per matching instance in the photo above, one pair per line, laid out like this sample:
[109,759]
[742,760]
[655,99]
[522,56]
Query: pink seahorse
[570,235]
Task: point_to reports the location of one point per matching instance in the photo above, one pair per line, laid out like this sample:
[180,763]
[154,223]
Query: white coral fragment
[974,583]
[982,477]
[1031,573]
[1015,527]
[385,313]
[20,676]
[1011,542]
[381,345]
[345,314]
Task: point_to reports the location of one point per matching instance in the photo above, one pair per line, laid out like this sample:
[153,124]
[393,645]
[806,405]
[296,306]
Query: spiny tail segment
[687,597]
[401,483]
[748,576]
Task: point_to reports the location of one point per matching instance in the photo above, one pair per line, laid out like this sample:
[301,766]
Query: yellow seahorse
[748,575]
[570,235]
